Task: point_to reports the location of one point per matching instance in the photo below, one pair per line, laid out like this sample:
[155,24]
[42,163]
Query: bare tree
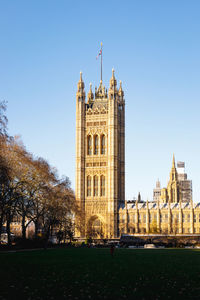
[30,188]
[3,119]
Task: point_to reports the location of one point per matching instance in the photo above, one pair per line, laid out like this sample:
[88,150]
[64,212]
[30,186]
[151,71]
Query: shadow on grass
[81,273]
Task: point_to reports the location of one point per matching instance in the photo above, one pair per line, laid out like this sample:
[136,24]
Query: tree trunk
[36,228]
[23,227]
[1,223]
[51,231]
[47,234]
[8,228]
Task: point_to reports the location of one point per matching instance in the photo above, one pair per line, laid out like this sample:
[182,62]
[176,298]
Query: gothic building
[100,158]
[179,188]
[172,193]
[100,176]
[171,212]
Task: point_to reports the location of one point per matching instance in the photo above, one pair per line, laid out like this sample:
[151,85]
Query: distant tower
[173,188]
[100,158]
[185,184]
[157,192]
[172,192]
[179,188]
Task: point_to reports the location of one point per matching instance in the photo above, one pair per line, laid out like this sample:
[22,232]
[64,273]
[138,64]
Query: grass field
[82,273]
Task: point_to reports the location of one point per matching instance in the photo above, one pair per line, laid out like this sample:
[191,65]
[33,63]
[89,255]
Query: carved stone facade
[100,158]
[167,214]
[100,176]
[160,218]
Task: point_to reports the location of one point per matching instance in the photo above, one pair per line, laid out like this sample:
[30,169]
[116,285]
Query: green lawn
[83,273]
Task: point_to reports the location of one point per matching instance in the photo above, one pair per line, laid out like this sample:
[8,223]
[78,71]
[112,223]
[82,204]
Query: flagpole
[101,61]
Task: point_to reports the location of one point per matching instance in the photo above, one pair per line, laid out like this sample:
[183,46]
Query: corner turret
[113,85]
[121,92]
[90,96]
[80,89]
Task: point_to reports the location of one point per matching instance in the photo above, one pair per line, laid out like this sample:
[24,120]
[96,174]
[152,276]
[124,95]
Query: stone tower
[173,185]
[172,193]
[100,159]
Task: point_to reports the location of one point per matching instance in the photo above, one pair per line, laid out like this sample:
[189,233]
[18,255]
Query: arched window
[88,186]
[103,181]
[97,228]
[96,144]
[103,144]
[95,186]
[89,145]
[97,223]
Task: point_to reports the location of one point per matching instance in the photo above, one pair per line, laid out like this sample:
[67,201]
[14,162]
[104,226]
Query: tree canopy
[30,189]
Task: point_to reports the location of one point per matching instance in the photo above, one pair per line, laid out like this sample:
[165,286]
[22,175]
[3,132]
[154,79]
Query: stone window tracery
[103,144]
[89,145]
[95,185]
[96,144]
[88,186]
[103,181]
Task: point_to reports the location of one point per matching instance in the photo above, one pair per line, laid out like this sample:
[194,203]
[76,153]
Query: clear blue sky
[154,47]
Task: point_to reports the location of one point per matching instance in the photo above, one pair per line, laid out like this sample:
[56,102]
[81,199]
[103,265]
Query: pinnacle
[81,76]
[173,161]
[113,73]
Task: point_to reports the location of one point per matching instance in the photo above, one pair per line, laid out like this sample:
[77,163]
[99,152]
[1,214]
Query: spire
[158,184]
[121,92]
[113,81]
[113,73]
[80,87]
[173,162]
[81,83]
[173,173]
[90,94]
[100,93]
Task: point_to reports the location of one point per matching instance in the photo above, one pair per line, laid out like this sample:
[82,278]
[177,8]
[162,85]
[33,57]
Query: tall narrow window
[144,218]
[103,181]
[134,218]
[188,217]
[89,145]
[88,186]
[195,218]
[95,186]
[96,144]
[103,144]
